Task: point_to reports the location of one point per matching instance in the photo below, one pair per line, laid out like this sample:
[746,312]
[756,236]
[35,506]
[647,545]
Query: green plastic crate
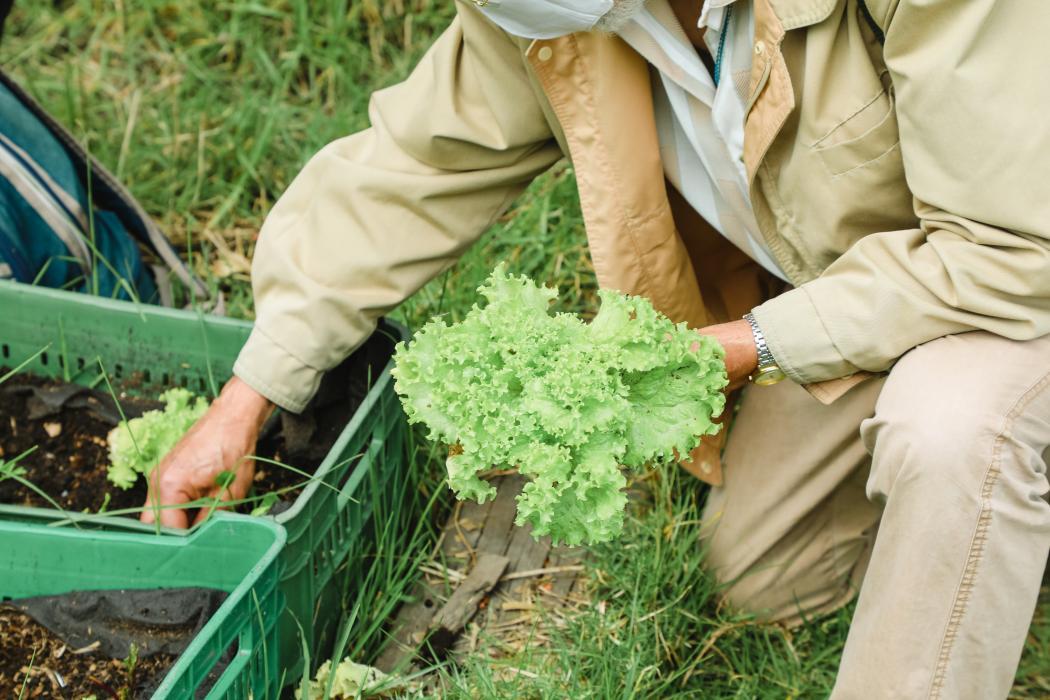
[197,351]
[233,553]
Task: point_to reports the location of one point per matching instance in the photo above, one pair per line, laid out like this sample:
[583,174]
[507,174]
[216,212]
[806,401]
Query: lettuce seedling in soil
[137,445]
[70,463]
[567,403]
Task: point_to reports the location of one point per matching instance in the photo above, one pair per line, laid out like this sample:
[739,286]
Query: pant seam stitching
[980,537]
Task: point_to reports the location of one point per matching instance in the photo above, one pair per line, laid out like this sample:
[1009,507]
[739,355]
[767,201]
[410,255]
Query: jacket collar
[802,13]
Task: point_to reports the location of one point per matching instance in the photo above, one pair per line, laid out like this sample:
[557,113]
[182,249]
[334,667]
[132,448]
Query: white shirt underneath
[700,127]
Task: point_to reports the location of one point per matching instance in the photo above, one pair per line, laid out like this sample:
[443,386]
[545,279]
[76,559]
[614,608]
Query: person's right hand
[218,443]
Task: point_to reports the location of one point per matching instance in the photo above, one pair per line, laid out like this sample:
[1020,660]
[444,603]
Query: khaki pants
[944,460]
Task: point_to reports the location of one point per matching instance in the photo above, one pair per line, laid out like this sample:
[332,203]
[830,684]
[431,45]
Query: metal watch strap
[768,371]
[765,357]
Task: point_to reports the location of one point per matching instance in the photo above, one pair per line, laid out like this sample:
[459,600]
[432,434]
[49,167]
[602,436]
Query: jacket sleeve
[972,98]
[374,216]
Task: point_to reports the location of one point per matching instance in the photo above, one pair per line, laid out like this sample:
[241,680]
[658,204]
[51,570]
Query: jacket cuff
[275,373]
[798,339]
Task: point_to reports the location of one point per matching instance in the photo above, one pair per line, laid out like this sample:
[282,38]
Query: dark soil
[70,459]
[54,670]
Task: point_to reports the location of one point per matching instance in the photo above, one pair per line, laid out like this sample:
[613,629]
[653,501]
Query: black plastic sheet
[155,620]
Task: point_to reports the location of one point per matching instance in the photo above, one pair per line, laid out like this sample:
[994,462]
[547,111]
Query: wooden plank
[460,608]
[526,554]
[564,556]
[457,551]
[476,532]
[529,552]
[409,628]
[496,536]
[464,528]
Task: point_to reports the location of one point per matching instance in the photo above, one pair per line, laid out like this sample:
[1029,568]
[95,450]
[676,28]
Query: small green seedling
[266,502]
[11,470]
[130,664]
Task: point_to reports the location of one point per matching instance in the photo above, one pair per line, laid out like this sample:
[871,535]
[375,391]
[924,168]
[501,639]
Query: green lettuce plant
[567,403]
[347,681]
[135,446]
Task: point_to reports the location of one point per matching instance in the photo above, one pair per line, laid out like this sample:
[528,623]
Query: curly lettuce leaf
[567,403]
[135,446]
[348,681]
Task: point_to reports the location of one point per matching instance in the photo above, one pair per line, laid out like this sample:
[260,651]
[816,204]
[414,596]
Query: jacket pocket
[863,138]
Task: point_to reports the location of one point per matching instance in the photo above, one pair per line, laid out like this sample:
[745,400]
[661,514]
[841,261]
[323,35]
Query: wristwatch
[768,371]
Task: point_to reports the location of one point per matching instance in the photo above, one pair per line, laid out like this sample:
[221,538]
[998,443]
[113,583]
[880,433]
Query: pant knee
[925,445]
[813,570]
[941,423]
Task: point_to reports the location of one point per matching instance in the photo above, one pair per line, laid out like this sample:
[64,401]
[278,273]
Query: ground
[207,110]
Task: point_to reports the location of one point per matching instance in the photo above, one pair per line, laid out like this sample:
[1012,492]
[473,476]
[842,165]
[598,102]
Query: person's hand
[741,354]
[200,464]
[741,362]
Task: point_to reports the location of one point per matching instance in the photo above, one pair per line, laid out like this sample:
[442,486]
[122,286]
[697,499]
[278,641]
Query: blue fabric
[28,244]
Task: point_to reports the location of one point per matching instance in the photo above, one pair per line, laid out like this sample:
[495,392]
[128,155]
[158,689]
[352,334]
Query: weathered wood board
[484,574]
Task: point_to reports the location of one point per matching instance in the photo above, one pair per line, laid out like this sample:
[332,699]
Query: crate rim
[10,286]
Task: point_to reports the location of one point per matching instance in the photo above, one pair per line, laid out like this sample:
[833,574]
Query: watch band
[765,357]
[768,371]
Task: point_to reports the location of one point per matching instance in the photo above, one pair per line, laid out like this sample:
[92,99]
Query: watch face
[767,376]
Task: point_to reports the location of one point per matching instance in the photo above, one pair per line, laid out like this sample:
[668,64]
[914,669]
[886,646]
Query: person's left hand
[741,353]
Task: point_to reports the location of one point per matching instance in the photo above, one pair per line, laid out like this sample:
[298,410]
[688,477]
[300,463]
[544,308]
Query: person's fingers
[150,509]
[171,516]
[219,497]
[215,497]
[167,511]
[242,482]
[205,512]
[162,501]
[234,491]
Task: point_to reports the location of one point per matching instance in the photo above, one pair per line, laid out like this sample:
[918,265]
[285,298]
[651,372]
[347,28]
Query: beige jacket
[904,188]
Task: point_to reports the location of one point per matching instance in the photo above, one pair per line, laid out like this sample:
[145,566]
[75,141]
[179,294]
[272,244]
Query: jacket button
[545,53]
[760,48]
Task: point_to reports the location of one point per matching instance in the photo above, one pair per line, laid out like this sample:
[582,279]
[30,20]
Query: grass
[405,525]
[207,111]
[655,629]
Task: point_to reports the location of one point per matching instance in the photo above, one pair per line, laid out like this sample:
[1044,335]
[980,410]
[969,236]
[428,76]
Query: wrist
[741,356]
[239,399]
